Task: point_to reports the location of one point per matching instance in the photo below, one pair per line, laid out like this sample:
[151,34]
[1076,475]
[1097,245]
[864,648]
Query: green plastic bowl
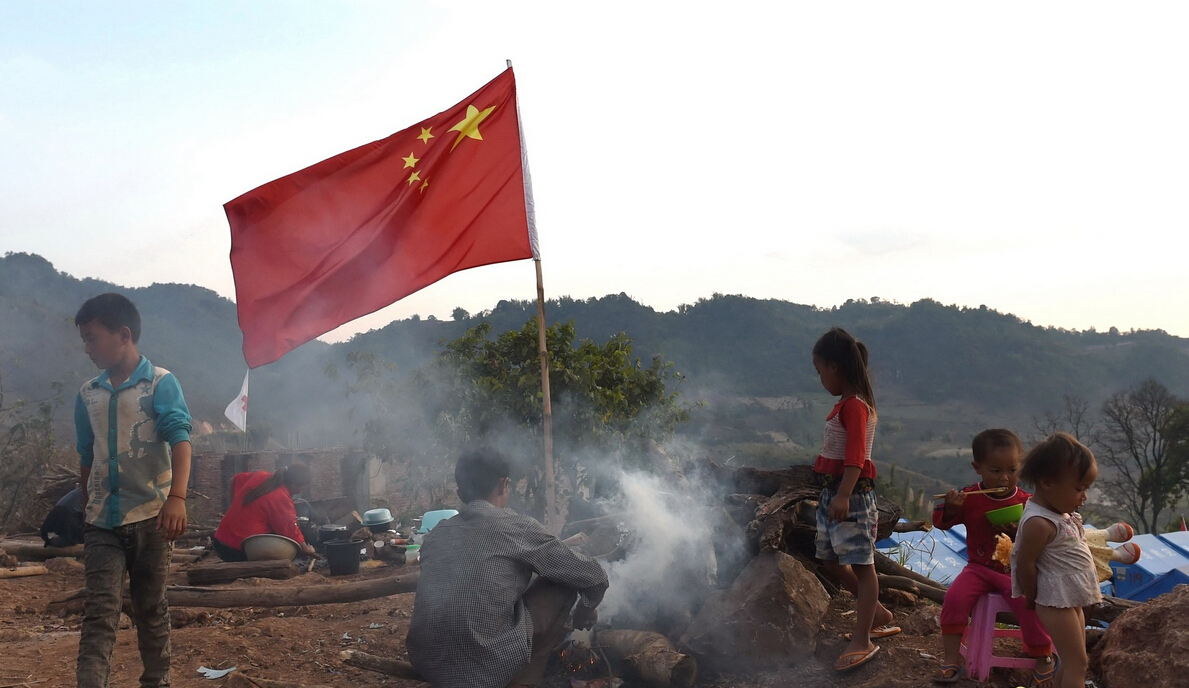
[1008,514]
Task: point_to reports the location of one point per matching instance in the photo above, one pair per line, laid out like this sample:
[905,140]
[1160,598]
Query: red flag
[354,233]
[1183,527]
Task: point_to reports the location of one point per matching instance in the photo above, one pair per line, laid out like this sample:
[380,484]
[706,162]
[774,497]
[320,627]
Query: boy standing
[133,432]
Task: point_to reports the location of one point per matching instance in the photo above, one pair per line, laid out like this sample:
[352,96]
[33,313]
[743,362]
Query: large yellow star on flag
[469,126]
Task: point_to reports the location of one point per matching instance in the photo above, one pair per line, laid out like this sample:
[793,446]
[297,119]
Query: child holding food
[988,509]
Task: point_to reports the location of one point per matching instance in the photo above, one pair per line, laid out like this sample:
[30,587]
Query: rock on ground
[770,617]
[1148,645]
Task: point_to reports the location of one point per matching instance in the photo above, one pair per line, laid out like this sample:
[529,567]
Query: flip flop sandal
[1045,679]
[863,658]
[881,632]
[949,673]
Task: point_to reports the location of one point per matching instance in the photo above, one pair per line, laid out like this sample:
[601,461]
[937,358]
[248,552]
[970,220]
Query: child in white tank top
[1051,566]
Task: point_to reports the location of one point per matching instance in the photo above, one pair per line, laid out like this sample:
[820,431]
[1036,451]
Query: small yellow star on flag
[410,161]
[414,178]
[425,135]
[424,184]
[469,126]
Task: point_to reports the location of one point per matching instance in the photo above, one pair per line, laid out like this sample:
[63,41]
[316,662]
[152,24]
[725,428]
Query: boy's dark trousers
[140,550]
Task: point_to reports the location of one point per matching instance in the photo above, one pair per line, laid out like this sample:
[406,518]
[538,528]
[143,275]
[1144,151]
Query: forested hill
[922,354]
[925,352]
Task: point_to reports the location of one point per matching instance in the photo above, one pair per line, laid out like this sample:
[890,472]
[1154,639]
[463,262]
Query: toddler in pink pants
[997,461]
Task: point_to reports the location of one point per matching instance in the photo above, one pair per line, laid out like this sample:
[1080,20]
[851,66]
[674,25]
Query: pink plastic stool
[978,642]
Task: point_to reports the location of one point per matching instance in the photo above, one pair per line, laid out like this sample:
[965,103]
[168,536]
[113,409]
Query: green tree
[28,445]
[479,389]
[606,403]
[1144,440]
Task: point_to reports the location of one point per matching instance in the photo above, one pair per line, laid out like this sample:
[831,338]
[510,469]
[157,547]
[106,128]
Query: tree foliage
[604,400]
[28,445]
[484,389]
[1144,441]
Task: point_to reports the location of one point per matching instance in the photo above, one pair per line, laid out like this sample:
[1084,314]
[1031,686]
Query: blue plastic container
[432,518]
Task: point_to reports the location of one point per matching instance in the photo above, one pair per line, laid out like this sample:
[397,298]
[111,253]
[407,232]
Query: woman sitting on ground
[261,503]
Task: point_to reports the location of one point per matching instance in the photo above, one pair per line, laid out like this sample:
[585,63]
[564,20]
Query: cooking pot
[332,531]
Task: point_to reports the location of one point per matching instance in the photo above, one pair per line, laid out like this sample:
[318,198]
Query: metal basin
[270,546]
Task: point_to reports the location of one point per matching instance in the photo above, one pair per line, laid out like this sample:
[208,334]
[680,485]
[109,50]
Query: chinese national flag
[354,233]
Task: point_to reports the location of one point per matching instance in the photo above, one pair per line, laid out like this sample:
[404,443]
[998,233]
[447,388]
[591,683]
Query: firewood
[22,571]
[32,551]
[649,657]
[279,596]
[197,534]
[226,572]
[588,524]
[383,665]
[907,585]
[913,527]
[886,566]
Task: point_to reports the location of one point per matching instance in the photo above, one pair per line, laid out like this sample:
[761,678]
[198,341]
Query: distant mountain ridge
[923,355]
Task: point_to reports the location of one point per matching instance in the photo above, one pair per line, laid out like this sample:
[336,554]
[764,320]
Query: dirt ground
[301,644]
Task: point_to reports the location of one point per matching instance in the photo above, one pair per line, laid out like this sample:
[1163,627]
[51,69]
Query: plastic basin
[1005,515]
[270,546]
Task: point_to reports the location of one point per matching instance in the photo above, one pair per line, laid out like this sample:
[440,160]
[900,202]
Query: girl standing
[1051,565]
[846,513]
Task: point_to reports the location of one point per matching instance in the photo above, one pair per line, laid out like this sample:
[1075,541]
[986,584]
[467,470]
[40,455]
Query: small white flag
[237,410]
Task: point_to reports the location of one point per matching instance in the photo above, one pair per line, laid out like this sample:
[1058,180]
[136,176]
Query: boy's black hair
[837,346]
[1055,455]
[114,311]
[479,472]
[991,439]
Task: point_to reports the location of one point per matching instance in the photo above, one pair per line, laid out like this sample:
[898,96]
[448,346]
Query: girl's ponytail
[837,346]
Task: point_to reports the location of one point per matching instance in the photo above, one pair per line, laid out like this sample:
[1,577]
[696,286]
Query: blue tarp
[937,554]
[1162,584]
[1159,555]
[1179,540]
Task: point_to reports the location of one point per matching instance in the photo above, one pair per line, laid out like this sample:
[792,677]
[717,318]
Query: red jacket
[270,513]
[980,534]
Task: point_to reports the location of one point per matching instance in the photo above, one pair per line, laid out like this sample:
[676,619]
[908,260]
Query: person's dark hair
[479,472]
[294,476]
[989,440]
[850,355]
[113,310]
[1055,455]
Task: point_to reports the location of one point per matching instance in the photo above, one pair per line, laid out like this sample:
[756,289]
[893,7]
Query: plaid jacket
[469,627]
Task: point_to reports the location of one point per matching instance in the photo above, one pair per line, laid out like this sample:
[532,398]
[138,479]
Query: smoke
[677,545]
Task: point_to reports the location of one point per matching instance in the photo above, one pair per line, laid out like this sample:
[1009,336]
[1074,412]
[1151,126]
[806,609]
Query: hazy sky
[1033,157]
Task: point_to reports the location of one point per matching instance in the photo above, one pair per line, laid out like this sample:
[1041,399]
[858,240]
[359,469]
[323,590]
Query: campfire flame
[579,659]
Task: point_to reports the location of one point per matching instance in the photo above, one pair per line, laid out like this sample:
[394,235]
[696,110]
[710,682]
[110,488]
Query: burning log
[382,665]
[281,596]
[226,572]
[650,657]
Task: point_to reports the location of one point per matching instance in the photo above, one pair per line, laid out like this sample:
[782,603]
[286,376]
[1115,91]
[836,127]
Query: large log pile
[779,507]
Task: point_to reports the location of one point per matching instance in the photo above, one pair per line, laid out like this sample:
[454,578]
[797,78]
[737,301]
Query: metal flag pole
[551,515]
